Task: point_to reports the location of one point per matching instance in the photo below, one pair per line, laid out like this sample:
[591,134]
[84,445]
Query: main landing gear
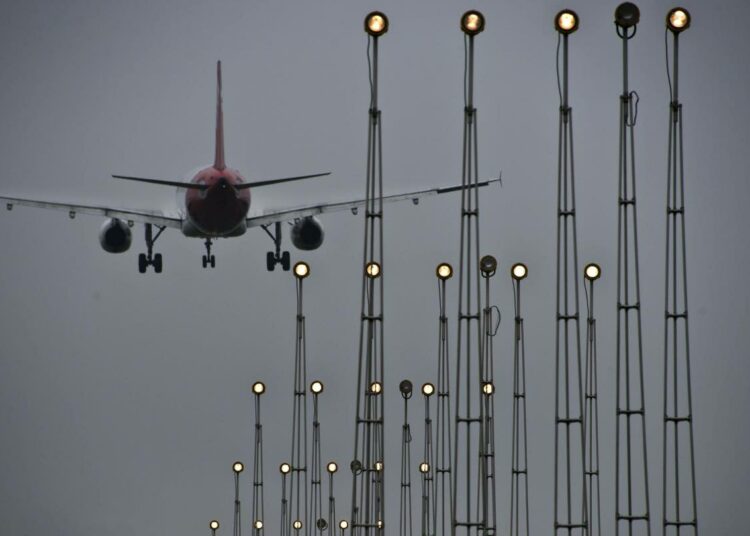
[208,259]
[150,259]
[276,257]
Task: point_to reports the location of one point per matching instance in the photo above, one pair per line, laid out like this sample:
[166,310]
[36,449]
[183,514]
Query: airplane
[216,205]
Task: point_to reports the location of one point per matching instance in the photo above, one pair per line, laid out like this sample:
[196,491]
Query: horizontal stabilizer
[268,182]
[177,184]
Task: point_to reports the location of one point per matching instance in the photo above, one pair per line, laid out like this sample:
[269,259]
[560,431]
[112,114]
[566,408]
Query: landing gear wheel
[205,261]
[285,261]
[212,261]
[157,263]
[270,261]
[142,263]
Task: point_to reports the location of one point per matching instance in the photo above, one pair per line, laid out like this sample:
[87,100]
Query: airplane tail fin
[219,156]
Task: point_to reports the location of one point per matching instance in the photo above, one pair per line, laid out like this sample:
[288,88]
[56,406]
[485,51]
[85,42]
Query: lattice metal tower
[258,516]
[487,466]
[405,508]
[426,467]
[299,485]
[591,273]
[632,512]
[368,498]
[519,486]
[443,498]
[317,522]
[466,513]
[680,515]
[571,516]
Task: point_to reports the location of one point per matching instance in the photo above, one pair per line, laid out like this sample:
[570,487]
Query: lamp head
[301,270]
[405,387]
[472,22]
[444,271]
[372,270]
[259,388]
[566,21]
[488,388]
[678,19]
[332,467]
[214,525]
[376,388]
[488,265]
[343,524]
[285,468]
[376,23]
[519,271]
[297,525]
[424,467]
[592,272]
[428,389]
[316,387]
[238,467]
[627,15]
[258,524]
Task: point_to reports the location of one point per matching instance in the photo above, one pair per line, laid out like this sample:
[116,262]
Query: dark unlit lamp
[444,271]
[519,271]
[238,467]
[316,387]
[301,270]
[566,22]
[678,19]
[592,272]
[627,15]
[376,23]
[488,265]
[405,387]
[472,22]
[372,269]
[259,388]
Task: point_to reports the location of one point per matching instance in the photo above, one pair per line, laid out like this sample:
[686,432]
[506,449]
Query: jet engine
[115,236]
[307,233]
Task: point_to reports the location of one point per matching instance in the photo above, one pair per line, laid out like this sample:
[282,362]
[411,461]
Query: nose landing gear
[149,258]
[276,257]
[208,259]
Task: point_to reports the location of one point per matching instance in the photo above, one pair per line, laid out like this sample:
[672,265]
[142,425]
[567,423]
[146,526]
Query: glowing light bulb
[301,270]
[444,271]
[428,389]
[376,23]
[592,271]
[519,271]
[259,388]
[238,467]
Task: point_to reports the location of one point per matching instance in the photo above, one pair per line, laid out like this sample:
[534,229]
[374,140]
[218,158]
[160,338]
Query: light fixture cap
[678,19]
[373,270]
[444,271]
[301,270]
[488,265]
[285,468]
[259,388]
[428,389]
[316,387]
[376,23]
[376,388]
[343,524]
[566,21]
[424,467]
[258,524]
[214,524]
[592,271]
[332,467]
[519,271]
[488,388]
[627,15]
[472,22]
[238,467]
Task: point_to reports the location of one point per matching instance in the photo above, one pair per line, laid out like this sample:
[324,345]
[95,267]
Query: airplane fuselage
[220,209]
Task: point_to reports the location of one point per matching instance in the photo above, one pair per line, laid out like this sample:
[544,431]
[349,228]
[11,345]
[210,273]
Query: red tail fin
[219,156]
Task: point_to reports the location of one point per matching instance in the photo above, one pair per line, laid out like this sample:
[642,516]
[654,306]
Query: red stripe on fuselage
[220,209]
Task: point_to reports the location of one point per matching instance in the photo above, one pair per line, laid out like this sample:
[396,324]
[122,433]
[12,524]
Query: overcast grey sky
[124,398]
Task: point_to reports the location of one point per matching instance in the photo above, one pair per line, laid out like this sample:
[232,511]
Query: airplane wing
[281,215]
[140,216]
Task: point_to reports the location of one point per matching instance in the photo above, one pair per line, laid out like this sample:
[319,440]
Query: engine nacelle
[115,236]
[307,233]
